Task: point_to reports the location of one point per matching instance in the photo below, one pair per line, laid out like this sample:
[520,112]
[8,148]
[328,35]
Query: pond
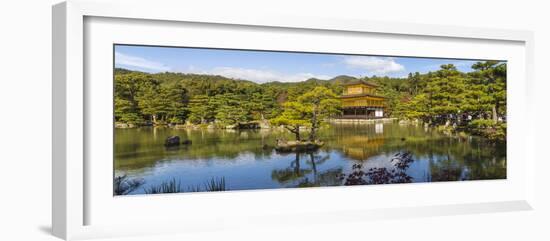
[372,153]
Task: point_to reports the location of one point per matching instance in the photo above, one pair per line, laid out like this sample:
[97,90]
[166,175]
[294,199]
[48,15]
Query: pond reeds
[171,186]
[215,185]
[174,186]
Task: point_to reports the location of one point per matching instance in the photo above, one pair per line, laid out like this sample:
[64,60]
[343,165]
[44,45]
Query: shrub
[131,118]
[488,129]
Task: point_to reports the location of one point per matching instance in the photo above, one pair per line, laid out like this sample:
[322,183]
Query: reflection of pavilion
[362,147]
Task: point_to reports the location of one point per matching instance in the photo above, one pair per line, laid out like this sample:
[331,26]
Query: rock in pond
[172,141]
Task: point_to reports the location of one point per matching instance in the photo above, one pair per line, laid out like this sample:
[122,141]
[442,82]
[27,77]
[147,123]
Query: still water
[246,159]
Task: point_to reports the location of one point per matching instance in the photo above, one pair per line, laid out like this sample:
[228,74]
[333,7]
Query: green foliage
[200,109]
[231,109]
[175,99]
[293,117]
[139,97]
[262,106]
[127,87]
[310,109]
[480,124]
[418,108]
[491,77]
[319,104]
[443,95]
[149,101]
[488,128]
[450,96]
[163,98]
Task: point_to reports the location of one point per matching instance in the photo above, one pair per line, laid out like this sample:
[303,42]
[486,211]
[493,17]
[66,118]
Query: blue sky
[264,66]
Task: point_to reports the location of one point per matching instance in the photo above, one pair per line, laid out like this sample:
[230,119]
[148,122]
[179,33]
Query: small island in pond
[197,120]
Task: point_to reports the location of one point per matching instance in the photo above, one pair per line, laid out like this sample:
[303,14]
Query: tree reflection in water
[381,175]
[297,175]
[309,176]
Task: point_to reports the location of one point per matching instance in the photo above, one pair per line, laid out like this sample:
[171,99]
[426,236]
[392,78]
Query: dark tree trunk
[297,165]
[295,130]
[297,133]
[313,167]
[313,133]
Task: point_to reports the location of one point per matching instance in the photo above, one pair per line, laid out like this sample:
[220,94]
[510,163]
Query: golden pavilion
[361,101]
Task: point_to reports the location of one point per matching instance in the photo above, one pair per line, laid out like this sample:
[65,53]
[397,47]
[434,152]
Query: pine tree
[199,109]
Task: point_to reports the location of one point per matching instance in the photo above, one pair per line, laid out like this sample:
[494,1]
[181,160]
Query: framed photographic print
[365,120]
[251,119]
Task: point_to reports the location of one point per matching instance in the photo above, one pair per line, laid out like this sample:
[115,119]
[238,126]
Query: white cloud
[133,61]
[260,75]
[374,65]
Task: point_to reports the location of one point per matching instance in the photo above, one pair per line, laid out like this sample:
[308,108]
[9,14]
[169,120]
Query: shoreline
[448,129]
[120,125]
[364,121]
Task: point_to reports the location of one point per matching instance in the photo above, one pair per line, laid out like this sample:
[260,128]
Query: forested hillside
[176,97]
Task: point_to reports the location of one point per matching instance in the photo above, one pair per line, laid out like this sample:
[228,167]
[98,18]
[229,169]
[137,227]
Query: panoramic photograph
[206,120]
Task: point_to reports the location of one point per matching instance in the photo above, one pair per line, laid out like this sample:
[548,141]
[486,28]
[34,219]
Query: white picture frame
[73,191]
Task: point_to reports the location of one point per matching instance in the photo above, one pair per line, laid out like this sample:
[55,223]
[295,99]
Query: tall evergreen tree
[199,109]
[492,76]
